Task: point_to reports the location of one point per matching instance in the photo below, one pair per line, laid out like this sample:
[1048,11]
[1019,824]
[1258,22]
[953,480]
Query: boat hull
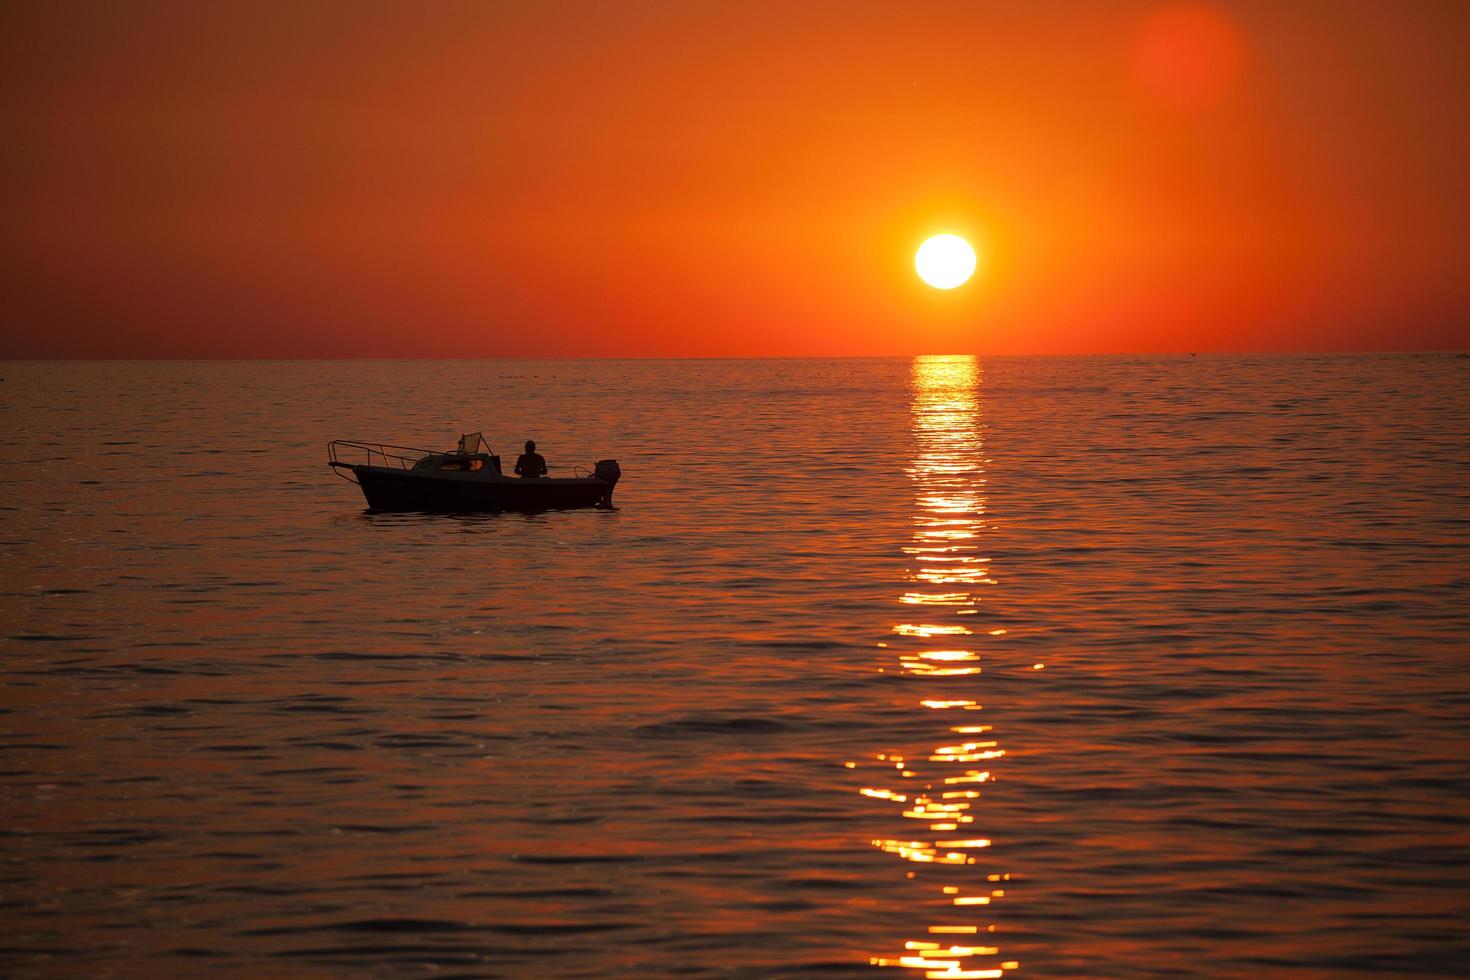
[388,489]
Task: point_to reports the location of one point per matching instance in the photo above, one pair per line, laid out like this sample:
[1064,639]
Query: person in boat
[531,463]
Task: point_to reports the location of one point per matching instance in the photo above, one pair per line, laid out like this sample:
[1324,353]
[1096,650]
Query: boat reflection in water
[934,792]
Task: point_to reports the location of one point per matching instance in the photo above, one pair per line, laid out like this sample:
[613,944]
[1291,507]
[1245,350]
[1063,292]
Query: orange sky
[752,178]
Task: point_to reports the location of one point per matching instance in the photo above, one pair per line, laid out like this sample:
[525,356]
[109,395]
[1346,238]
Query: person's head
[530,446]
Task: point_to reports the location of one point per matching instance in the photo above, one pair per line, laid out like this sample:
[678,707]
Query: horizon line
[1357,352]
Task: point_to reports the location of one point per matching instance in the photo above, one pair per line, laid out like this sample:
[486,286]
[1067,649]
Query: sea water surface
[946,667]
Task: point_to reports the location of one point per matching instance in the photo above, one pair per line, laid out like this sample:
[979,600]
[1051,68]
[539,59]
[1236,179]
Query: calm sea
[945,668]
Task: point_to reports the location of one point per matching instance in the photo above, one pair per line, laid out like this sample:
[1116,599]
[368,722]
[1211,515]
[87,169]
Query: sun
[945,261]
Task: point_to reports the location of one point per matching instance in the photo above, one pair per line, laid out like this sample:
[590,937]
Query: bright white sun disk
[945,261]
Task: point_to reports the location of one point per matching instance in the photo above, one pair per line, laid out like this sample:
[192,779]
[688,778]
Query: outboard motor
[608,471]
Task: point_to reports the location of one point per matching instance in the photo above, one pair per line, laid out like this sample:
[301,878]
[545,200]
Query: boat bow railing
[344,454]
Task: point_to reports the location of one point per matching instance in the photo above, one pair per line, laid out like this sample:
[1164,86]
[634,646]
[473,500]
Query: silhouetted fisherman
[531,464]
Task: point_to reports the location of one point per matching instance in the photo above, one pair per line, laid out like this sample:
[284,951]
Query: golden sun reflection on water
[937,786]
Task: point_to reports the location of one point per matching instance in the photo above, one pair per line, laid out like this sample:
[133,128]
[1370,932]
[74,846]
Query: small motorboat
[400,478]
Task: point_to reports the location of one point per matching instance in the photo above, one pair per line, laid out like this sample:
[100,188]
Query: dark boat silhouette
[469,478]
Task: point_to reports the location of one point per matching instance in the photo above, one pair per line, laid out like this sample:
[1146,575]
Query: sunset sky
[648,179]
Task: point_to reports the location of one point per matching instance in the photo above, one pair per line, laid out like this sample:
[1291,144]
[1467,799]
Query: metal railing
[369,453]
[373,454]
